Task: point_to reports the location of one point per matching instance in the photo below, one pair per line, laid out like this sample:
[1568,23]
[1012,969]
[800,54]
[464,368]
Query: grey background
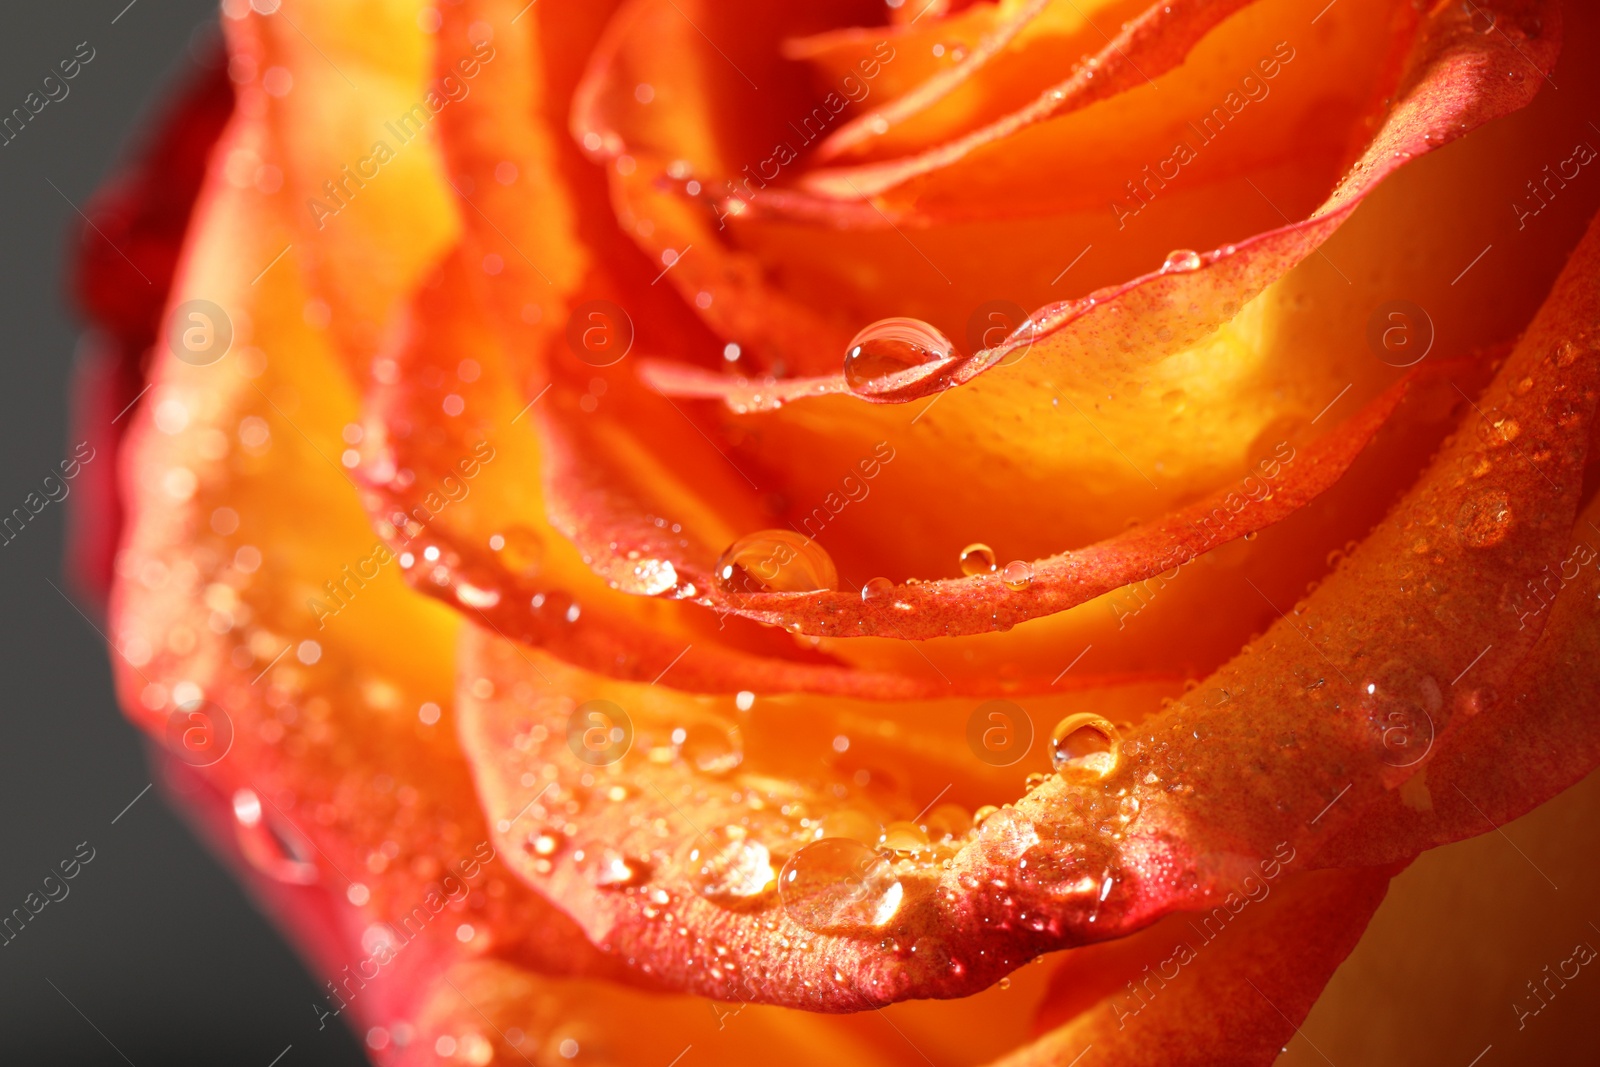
[154,943]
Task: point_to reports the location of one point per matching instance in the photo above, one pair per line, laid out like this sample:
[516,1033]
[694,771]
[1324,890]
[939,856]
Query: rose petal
[981,603]
[144,212]
[346,96]
[1227,992]
[1523,743]
[610,839]
[1095,851]
[1150,42]
[330,678]
[1135,323]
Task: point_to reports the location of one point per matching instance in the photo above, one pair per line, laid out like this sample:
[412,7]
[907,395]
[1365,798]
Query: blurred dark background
[154,944]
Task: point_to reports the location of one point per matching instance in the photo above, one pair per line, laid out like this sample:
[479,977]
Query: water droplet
[727,867]
[651,577]
[977,558]
[474,597]
[522,551]
[1009,831]
[904,837]
[1084,742]
[839,883]
[1502,429]
[1018,575]
[616,871]
[1005,983]
[776,561]
[1485,519]
[948,821]
[711,748]
[273,848]
[880,356]
[1400,700]
[877,587]
[1180,260]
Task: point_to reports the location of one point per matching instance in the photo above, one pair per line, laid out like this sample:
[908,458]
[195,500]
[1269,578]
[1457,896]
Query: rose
[791,822]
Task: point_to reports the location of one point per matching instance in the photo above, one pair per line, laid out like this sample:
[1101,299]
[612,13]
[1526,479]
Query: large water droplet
[836,883]
[613,870]
[271,846]
[474,597]
[776,561]
[876,588]
[651,577]
[932,953]
[710,747]
[521,550]
[727,867]
[1009,831]
[879,357]
[1484,519]
[948,821]
[904,837]
[1018,575]
[1400,701]
[1180,260]
[977,558]
[1084,742]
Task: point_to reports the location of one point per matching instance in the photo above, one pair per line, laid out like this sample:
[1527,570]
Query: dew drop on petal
[875,588]
[521,550]
[904,837]
[836,882]
[651,577]
[977,558]
[474,597]
[1018,575]
[615,871]
[890,347]
[1009,831]
[1400,701]
[1485,519]
[776,561]
[709,747]
[271,848]
[727,867]
[1180,260]
[1084,742]
[948,821]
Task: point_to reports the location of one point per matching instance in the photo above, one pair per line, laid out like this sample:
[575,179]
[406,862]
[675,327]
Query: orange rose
[544,557]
